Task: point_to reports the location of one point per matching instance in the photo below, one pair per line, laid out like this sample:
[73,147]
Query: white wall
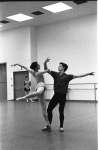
[73,42]
[14,48]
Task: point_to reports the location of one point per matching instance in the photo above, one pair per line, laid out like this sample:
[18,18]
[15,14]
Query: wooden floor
[21,123]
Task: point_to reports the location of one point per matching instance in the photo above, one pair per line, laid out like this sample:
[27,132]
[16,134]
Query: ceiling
[8,8]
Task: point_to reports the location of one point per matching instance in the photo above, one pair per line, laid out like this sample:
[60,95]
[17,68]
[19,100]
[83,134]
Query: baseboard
[66,100]
[78,100]
[86,101]
[10,100]
[15,100]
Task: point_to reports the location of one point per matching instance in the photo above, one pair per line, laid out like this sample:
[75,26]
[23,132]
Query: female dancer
[39,90]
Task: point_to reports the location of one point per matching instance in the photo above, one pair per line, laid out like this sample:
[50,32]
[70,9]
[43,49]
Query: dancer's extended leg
[40,94]
[39,91]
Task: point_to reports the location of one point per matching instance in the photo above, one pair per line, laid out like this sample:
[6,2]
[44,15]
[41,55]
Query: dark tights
[58,98]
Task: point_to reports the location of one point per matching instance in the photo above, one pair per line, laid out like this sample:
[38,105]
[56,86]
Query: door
[3,82]
[19,78]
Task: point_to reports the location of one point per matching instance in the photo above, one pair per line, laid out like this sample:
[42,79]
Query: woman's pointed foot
[20,98]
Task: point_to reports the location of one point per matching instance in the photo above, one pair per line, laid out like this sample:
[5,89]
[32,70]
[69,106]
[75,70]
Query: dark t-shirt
[61,81]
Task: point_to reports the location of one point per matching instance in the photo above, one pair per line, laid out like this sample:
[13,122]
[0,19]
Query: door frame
[14,80]
[6,76]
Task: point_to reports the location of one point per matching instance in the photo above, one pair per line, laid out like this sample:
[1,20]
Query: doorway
[18,83]
[3,82]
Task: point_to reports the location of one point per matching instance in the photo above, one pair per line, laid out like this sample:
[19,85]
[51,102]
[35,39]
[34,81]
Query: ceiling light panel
[58,7]
[20,17]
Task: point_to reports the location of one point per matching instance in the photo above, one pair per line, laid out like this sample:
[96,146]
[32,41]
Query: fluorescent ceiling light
[20,17]
[58,7]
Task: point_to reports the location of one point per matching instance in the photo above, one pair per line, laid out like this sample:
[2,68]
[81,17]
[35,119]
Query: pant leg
[52,104]
[62,102]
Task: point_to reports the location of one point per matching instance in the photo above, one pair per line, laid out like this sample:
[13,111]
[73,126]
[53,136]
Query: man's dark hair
[64,65]
[34,65]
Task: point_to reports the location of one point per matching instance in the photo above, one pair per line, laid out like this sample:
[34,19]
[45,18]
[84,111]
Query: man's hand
[91,73]
[13,65]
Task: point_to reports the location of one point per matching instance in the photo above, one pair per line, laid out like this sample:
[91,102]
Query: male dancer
[61,81]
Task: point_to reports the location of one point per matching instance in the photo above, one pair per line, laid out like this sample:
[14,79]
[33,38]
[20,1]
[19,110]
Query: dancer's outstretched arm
[83,75]
[29,70]
[42,72]
[45,65]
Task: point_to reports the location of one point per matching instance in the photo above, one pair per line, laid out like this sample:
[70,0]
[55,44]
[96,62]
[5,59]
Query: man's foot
[61,129]
[20,98]
[47,128]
